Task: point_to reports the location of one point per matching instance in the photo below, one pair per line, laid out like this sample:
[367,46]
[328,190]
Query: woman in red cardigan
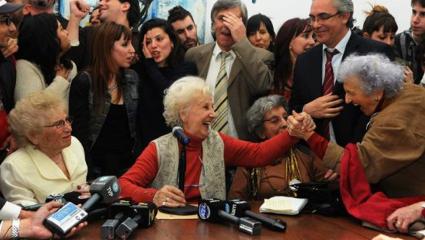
[154,177]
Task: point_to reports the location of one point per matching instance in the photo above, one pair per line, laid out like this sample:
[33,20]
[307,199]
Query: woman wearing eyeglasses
[49,160]
[266,119]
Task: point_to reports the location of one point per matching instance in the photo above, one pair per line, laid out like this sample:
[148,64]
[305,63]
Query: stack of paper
[283,205]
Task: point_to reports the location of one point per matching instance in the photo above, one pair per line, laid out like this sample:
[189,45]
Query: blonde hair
[180,96]
[30,115]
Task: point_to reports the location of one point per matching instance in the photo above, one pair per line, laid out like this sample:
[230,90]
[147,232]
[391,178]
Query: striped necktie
[220,96]
[328,85]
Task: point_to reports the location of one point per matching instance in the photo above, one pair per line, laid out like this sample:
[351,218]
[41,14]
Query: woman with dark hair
[42,42]
[260,32]
[380,25]
[161,64]
[103,102]
[293,38]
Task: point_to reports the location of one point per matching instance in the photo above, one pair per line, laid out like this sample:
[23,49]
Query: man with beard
[184,26]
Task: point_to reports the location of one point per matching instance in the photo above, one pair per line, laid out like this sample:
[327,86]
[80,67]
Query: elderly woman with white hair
[392,151]
[267,118]
[154,177]
[49,160]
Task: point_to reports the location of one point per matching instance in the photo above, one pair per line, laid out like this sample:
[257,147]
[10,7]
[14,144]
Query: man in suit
[324,100]
[247,68]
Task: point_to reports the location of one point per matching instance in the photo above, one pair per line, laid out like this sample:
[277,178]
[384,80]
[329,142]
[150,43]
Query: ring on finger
[164,203]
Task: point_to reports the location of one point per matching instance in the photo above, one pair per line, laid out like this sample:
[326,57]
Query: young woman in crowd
[42,41]
[294,38]
[103,102]
[260,32]
[161,64]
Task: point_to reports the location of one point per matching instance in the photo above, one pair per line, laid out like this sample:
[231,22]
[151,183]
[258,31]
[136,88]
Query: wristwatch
[14,233]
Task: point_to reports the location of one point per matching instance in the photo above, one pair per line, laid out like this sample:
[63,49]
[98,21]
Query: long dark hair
[177,53]
[283,64]
[38,43]
[102,66]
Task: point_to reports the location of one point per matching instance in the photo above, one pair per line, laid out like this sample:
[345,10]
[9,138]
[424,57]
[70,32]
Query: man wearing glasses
[315,89]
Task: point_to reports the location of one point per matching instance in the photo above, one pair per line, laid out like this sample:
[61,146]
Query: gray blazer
[251,76]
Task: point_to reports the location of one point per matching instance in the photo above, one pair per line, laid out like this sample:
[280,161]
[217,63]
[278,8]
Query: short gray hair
[227,4]
[375,71]
[30,115]
[261,106]
[345,6]
[179,97]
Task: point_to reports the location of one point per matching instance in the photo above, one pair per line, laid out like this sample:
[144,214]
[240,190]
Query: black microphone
[107,230]
[141,215]
[104,189]
[241,208]
[213,210]
[179,134]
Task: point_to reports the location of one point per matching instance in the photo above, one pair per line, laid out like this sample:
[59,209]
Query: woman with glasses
[294,38]
[42,42]
[103,102]
[49,160]
[266,119]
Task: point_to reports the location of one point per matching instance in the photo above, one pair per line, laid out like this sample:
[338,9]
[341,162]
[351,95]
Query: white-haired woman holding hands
[392,152]
[189,103]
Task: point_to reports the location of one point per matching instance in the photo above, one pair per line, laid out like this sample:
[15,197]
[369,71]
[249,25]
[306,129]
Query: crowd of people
[263,109]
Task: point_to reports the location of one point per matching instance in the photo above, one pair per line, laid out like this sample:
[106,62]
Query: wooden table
[301,227]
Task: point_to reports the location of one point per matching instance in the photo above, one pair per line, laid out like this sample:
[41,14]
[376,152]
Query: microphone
[108,228]
[103,189]
[179,134]
[141,215]
[241,208]
[212,210]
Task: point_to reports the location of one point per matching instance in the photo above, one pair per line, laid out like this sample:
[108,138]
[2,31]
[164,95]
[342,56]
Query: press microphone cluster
[213,210]
[240,208]
[103,190]
[127,218]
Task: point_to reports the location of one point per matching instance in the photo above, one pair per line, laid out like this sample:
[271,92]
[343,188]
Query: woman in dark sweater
[103,102]
[161,63]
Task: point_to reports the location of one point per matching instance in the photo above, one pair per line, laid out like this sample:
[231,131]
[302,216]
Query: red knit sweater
[134,183]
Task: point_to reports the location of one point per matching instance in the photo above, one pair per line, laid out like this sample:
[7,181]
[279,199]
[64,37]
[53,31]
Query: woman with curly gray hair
[267,118]
[188,103]
[392,151]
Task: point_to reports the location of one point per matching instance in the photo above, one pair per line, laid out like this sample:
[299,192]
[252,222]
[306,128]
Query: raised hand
[327,106]
[235,25]
[300,125]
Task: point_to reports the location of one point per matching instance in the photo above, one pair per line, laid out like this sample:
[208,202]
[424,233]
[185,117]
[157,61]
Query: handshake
[301,125]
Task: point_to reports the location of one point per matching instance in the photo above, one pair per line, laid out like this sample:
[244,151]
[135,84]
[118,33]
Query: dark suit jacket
[250,77]
[350,124]
[7,82]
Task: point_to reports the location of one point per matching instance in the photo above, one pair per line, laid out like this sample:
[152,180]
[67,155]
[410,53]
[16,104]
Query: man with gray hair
[235,70]
[315,89]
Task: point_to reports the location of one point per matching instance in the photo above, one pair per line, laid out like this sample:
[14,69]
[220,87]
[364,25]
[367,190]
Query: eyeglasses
[322,17]
[276,119]
[61,123]
[6,19]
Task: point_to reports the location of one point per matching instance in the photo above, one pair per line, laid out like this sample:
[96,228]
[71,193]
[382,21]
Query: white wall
[281,10]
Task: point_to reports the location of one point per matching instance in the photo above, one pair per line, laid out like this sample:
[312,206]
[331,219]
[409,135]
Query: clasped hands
[301,125]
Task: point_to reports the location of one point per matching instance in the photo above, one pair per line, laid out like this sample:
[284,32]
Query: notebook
[283,205]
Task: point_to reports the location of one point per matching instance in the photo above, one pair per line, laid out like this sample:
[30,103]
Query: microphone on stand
[179,134]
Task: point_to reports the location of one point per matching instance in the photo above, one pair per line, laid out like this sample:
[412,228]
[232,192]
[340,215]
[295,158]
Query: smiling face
[328,25]
[197,118]
[52,138]
[261,38]
[222,33]
[274,122]
[122,52]
[355,95]
[112,10]
[159,45]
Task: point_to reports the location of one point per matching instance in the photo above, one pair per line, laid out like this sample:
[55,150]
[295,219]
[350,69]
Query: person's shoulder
[23,63]
[310,54]
[199,49]
[17,159]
